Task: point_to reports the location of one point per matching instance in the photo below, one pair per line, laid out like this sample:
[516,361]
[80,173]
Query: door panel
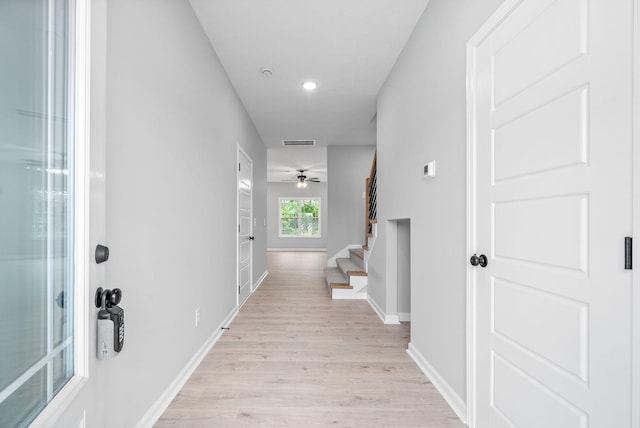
[37,200]
[245,223]
[542,406]
[552,121]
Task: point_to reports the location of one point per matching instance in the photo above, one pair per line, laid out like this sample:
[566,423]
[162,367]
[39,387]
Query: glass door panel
[36,207]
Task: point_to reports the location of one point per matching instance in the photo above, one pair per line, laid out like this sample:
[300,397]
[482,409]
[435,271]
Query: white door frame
[635,368]
[238,302]
[500,13]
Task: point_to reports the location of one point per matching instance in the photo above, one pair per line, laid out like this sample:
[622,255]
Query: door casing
[635,367]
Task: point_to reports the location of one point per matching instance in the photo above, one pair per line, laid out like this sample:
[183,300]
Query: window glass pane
[23,219]
[289,208]
[25,403]
[289,226]
[309,226]
[62,368]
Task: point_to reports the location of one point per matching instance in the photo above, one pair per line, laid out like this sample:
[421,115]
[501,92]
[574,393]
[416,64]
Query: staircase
[348,280]
[347,276]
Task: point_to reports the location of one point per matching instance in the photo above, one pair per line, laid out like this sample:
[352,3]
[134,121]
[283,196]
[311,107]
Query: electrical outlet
[197,317]
[429,170]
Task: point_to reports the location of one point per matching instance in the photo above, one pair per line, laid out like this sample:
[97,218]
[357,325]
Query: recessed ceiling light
[310,85]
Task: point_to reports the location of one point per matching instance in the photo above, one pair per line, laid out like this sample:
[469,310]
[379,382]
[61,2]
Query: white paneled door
[245,225]
[550,148]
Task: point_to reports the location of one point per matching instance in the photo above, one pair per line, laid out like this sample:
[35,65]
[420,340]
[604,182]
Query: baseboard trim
[162,403]
[322,250]
[456,403]
[404,316]
[386,319]
[260,280]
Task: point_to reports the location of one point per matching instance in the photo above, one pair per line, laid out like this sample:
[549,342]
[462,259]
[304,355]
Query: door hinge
[238,289]
[628,257]
[238,228]
[238,167]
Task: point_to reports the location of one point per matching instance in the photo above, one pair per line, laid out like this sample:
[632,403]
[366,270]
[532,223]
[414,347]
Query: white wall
[174,122]
[289,190]
[347,169]
[421,117]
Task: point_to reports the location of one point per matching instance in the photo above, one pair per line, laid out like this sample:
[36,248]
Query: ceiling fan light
[299,184]
[304,184]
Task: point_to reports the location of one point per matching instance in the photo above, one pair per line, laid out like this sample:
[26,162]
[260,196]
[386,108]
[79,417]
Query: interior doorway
[403,273]
[398,248]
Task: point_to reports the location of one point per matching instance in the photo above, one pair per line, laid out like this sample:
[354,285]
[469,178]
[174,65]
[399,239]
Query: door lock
[102,254]
[476,260]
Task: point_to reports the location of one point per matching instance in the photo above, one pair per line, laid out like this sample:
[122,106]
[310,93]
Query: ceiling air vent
[298,143]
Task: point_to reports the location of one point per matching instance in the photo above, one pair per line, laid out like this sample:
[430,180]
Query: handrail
[371,203]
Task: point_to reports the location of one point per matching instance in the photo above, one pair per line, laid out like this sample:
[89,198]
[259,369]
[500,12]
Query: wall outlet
[197,317]
[429,169]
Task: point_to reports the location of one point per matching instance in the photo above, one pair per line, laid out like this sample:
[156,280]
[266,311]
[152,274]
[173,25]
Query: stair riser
[348,295]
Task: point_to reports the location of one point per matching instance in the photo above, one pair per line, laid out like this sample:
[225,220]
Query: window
[300,217]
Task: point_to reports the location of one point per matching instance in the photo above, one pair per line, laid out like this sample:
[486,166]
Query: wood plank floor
[295,358]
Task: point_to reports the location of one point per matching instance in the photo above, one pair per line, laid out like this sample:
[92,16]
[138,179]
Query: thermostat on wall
[429,169]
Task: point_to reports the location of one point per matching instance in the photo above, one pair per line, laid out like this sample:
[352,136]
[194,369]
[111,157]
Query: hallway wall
[422,117]
[174,122]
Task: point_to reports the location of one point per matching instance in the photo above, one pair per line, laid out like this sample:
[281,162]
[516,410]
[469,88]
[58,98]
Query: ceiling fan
[302,179]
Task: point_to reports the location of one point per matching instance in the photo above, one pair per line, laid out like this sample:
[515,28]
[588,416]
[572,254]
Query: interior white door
[551,119]
[245,225]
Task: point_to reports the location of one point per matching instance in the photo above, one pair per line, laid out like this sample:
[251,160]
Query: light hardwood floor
[295,358]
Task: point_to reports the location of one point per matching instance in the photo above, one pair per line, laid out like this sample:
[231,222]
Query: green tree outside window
[299,217]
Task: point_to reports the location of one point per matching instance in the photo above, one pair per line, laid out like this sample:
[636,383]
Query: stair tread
[348,267]
[335,277]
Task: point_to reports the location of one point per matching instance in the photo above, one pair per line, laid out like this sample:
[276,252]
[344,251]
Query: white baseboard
[323,250]
[160,405]
[259,281]
[404,316]
[387,319]
[456,403]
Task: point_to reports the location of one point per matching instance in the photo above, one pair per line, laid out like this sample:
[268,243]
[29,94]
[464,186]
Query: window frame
[300,198]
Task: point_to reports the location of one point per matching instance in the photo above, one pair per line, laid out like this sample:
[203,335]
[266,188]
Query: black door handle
[102,254]
[476,260]
[251,238]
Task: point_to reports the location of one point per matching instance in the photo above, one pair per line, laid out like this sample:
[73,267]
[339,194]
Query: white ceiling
[347,46]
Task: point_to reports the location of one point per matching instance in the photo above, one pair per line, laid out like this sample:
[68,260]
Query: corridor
[293,357]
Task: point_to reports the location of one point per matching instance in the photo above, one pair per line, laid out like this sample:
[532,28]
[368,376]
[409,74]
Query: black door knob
[476,260]
[102,254]
[251,238]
